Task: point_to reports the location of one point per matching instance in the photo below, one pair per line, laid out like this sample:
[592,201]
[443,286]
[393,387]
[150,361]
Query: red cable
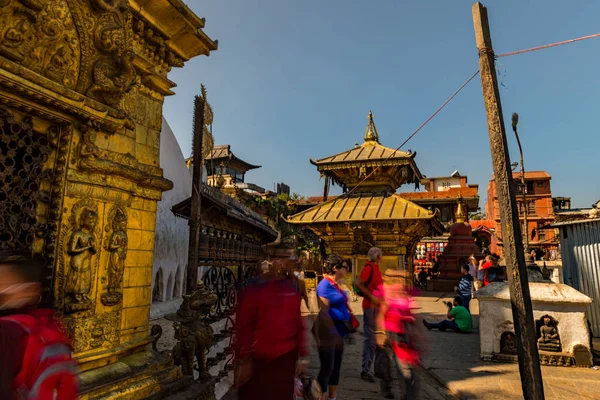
[546,46]
[411,136]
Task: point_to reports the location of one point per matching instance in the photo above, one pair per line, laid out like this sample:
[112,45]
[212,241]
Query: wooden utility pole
[195,222]
[529,365]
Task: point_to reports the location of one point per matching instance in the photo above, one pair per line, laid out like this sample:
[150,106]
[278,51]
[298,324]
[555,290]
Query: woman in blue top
[331,325]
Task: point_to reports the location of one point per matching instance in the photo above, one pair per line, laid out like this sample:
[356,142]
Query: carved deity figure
[81,248]
[117,246]
[549,339]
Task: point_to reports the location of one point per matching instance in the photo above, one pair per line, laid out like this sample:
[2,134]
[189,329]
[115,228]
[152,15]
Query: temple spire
[460,214]
[371,134]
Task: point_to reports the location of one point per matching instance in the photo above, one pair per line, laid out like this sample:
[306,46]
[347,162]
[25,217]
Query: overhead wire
[507,54]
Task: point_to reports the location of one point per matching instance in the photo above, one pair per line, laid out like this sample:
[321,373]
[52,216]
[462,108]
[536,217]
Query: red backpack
[48,372]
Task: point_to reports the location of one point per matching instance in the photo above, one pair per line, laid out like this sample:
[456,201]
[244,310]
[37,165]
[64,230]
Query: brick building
[443,193]
[540,212]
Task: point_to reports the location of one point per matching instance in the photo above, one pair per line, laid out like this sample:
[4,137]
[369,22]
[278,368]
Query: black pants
[331,362]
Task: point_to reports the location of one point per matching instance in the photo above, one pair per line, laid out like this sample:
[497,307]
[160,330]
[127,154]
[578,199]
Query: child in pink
[395,321]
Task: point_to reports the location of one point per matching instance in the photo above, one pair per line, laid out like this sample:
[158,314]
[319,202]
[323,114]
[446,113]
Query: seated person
[459,319]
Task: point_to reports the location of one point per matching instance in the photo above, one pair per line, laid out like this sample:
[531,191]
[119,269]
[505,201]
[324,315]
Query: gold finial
[371,134]
[460,214]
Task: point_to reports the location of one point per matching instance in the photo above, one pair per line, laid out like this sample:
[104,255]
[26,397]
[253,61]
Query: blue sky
[293,80]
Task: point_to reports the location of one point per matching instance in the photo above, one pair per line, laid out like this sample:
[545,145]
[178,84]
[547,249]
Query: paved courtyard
[454,359]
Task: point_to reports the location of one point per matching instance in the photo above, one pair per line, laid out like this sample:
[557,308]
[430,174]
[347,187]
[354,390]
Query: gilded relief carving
[116,245]
[92,158]
[94,332]
[81,248]
[41,36]
[75,277]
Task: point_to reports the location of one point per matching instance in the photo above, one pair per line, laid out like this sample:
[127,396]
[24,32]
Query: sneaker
[367,377]
[427,325]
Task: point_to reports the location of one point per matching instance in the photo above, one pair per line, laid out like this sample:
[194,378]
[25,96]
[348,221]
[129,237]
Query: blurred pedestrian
[271,348]
[370,278]
[333,323]
[36,355]
[395,336]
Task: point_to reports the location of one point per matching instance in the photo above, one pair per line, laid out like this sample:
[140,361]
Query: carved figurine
[549,339]
[189,316]
[185,349]
[113,78]
[81,248]
[117,247]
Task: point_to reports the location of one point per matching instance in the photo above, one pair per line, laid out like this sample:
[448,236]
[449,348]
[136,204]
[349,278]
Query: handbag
[352,324]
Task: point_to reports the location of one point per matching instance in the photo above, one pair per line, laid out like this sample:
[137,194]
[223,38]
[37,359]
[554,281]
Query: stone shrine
[559,312]
[461,244]
[82,84]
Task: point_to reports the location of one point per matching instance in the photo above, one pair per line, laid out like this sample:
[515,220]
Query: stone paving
[351,386]
[454,360]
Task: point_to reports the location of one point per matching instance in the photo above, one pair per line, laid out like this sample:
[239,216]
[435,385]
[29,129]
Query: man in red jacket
[270,337]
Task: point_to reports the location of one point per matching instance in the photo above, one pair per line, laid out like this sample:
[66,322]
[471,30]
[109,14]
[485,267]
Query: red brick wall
[543,214]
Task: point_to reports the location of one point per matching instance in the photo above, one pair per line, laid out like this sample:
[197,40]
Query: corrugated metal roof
[362,207]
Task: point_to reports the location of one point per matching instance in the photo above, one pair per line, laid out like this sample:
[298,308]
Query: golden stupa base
[145,374]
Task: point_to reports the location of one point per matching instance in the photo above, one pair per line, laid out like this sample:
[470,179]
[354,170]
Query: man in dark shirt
[19,290]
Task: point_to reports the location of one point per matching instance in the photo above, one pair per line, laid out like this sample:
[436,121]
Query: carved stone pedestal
[561,325]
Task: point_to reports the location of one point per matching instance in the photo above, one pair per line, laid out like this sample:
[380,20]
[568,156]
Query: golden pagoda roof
[362,207]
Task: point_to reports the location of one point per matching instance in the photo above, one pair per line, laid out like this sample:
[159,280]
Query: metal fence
[580,248]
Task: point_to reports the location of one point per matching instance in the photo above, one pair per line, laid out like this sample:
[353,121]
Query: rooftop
[223,153]
[372,166]
[530,175]
[362,207]
[232,207]
[451,194]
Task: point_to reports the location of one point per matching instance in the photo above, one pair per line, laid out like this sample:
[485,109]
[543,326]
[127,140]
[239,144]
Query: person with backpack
[334,323]
[271,347]
[370,278]
[36,355]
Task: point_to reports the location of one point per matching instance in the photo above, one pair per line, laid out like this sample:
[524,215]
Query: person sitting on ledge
[459,318]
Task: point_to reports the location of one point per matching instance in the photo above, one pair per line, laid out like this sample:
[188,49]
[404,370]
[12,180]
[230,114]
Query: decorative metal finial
[371,134]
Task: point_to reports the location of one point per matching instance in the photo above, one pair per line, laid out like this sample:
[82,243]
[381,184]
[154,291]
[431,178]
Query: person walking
[36,355]
[332,325]
[395,339]
[271,347]
[370,278]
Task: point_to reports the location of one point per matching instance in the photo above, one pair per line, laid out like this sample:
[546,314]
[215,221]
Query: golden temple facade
[82,84]
[370,213]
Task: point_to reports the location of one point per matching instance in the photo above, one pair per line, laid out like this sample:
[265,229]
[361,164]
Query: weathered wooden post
[195,222]
[529,366]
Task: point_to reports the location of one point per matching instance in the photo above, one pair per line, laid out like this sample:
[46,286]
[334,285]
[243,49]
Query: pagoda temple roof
[383,168]
[223,153]
[362,207]
[233,208]
[368,151]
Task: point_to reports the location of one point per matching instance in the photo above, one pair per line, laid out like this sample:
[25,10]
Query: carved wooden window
[22,155]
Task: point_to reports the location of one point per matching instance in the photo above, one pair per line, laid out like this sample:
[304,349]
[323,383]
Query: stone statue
[81,248]
[189,317]
[117,247]
[549,339]
[185,349]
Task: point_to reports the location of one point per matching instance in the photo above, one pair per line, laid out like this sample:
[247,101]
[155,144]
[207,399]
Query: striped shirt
[465,286]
